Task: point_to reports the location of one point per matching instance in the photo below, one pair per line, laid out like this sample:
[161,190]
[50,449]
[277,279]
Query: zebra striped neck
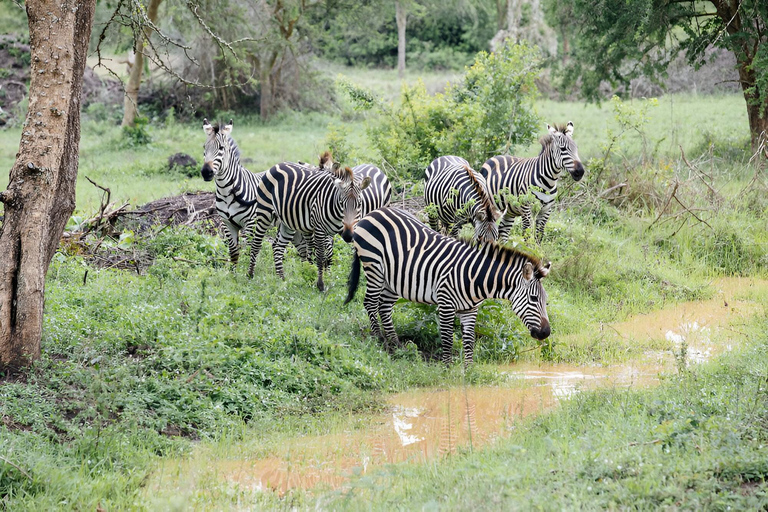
[497,269]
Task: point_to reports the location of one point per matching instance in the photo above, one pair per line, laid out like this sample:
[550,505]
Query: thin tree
[41,193]
[131,100]
[401,17]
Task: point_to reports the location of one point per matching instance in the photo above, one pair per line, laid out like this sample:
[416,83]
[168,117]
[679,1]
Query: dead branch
[699,174]
[666,204]
[15,466]
[611,189]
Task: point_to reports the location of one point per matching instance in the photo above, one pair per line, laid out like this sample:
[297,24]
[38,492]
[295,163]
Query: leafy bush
[489,112]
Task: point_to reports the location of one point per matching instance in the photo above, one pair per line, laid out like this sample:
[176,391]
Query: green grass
[136,367]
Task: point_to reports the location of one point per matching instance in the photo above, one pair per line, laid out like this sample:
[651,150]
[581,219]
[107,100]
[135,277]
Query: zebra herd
[400,255]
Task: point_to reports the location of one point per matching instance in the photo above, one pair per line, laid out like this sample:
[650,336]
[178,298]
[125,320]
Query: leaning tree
[41,192]
[618,41]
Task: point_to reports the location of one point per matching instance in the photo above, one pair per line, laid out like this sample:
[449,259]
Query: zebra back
[519,175]
[307,200]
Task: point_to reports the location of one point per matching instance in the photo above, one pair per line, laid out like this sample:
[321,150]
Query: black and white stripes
[235,185]
[455,195]
[402,257]
[308,201]
[518,176]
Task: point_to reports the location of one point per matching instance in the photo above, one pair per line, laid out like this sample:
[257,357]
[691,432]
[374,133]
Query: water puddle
[423,424]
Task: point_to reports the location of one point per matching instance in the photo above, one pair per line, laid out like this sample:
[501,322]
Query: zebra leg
[468,319]
[329,252]
[386,304]
[434,221]
[506,225]
[526,220]
[302,246]
[373,298]
[541,221]
[446,314]
[284,236]
[231,236]
[455,229]
[263,222]
[320,241]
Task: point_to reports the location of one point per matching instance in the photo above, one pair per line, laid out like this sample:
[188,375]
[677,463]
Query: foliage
[441,35]
[618,42]
[489,112]
[138,133]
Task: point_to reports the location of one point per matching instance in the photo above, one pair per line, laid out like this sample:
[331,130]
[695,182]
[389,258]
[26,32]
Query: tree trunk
[131,100]
[401,17]
[757,111]
[41,193]
[265,101]
[501,14]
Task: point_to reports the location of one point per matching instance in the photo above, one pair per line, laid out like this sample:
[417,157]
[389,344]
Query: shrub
[489,112]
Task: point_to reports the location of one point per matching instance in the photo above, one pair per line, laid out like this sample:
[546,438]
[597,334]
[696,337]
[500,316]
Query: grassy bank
[699,441]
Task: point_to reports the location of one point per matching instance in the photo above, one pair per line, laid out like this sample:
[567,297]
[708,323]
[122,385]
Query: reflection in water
[424,424]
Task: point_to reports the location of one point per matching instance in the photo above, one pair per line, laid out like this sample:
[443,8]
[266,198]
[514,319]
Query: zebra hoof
[321,286]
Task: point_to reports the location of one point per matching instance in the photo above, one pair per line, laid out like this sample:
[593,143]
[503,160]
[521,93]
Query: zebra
[235,185]
[402,257]
[518,175]
[307,201]
[377,195]
[459,196]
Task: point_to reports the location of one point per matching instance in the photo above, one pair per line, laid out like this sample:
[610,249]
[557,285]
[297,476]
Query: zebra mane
[235,150]
[547,139]
[506,251]
[485,200]
[325,157]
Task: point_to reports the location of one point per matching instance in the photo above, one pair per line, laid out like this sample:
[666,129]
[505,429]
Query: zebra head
[529,300]
[564,151]
[216,150]
[348,192]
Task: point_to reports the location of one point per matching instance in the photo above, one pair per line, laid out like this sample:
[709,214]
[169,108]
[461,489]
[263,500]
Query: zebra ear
[528,271]
[227,128]
[207,128]
[569,129]
[364,184]
[551,129]
[335,168]
[544,272]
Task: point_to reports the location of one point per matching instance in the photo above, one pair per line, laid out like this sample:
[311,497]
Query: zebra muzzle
[542,332]
[346,233]
[578,170]
[207,172]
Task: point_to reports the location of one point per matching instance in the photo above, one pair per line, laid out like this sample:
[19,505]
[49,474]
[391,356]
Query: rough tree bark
[131,100]
[401,17]
[745,43]
[41,192]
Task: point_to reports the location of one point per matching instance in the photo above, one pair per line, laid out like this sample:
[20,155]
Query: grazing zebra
[460,196]
[518,175]
[235,186]
[402,257]
[307,201]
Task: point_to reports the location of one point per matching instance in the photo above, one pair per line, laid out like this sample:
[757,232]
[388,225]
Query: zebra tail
[354,279]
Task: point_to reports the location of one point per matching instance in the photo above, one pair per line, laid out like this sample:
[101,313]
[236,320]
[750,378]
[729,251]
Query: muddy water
[423,424]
